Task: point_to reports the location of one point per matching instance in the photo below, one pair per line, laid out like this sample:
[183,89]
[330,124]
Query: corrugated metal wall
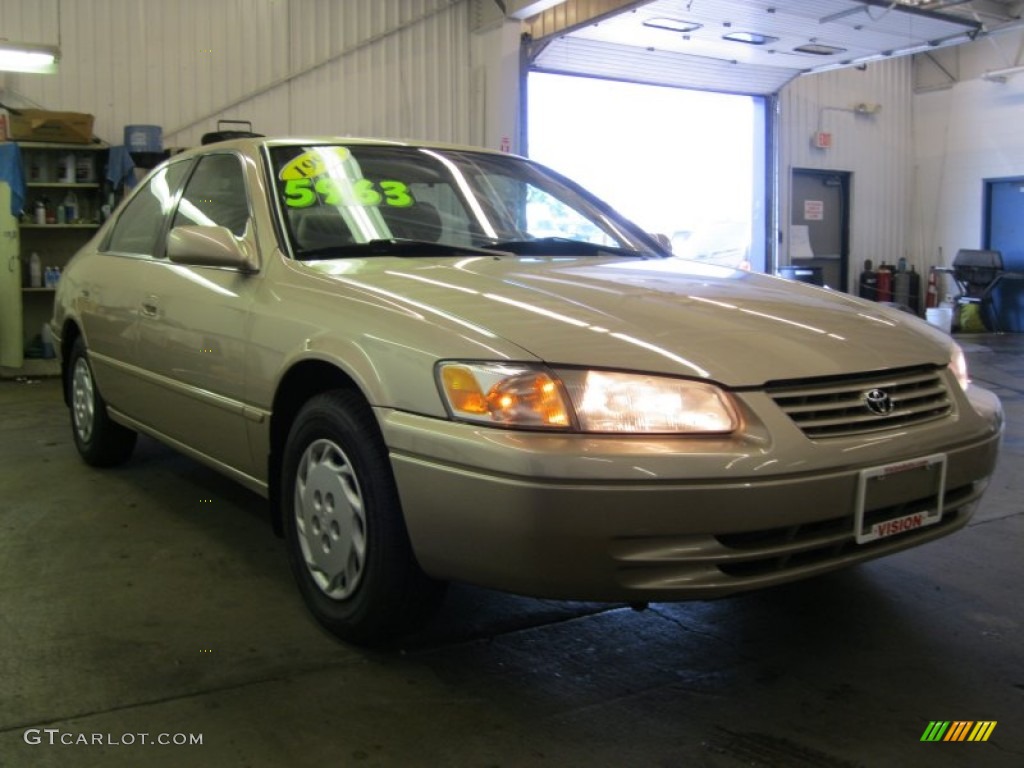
[965,133]
[877,150]
[398,68]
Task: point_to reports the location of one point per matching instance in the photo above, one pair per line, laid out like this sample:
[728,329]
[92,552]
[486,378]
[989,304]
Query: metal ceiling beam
[892,5]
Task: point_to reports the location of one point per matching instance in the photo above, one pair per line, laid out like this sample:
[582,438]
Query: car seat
[315,229]
[420,221]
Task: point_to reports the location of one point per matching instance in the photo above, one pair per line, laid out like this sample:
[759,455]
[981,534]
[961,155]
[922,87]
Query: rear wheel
[347,542]
[99,440]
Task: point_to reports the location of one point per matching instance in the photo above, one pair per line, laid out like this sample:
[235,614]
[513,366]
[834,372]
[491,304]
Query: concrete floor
[155,599]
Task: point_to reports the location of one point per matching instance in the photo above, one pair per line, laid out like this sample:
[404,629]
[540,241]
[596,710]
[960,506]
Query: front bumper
[639,519]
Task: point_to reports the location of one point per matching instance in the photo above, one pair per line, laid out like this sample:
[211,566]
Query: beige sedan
[441,364]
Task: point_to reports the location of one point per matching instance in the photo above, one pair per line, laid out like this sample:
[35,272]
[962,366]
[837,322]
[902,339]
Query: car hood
[666,316]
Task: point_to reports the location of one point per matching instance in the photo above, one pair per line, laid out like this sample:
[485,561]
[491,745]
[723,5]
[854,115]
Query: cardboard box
[42,125]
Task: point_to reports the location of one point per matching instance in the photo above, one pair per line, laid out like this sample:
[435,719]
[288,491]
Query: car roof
[253,144]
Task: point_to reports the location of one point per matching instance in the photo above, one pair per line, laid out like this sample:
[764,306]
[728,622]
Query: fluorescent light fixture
[673,25]
[1002,75]
[819,49]
[28,57]
[750,38]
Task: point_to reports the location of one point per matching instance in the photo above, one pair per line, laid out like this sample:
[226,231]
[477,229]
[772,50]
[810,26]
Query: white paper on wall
[800,242]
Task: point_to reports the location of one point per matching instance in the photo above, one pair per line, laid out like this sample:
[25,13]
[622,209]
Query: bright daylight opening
[686,164]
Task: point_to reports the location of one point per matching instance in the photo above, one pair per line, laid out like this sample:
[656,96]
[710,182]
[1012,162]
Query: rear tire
[347,542]
[100,441]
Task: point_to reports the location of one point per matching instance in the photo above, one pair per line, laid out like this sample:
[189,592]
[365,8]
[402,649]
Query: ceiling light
[1001,75]
[673,25]
[28,57]
[750,38]
[818,49]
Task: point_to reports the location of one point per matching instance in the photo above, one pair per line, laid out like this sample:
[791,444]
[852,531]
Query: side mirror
[204,246]
[663,240]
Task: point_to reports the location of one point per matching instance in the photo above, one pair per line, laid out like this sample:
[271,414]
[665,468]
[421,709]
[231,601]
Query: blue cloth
[10,171]
[120,168]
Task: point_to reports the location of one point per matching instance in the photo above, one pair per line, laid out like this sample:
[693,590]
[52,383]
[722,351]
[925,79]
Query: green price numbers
[304,192]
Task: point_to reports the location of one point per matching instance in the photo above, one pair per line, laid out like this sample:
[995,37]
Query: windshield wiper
[560,246]
[398,247]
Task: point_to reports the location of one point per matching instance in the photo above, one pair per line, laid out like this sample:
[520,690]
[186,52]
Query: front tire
[100,441]
[347,542]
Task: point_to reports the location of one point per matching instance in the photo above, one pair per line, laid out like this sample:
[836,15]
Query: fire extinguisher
[884,282]
[915,291]
[868,282]
[931,296]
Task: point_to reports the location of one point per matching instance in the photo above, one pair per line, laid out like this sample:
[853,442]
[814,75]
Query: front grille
[839,408]
[774,550]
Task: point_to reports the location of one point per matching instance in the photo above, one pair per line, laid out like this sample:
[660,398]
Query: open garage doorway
[683,163]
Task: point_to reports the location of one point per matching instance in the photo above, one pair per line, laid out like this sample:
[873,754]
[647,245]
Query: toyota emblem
[879,402]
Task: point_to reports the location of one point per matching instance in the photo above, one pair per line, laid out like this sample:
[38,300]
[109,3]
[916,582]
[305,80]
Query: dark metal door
[820,202]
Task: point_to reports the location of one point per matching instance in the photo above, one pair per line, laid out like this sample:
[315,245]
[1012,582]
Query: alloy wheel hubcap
[83,407]
[330,519]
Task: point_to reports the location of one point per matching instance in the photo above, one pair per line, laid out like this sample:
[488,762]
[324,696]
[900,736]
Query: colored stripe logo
[958,730]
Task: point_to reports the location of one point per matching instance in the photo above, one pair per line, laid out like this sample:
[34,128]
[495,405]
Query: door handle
[149,307]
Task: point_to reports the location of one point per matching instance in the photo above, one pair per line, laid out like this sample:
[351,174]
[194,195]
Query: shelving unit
[47,169]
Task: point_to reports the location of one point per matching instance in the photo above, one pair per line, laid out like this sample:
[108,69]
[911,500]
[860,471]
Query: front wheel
[99,440]
[347,543]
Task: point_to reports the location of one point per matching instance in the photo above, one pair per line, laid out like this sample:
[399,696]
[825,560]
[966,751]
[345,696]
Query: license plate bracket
[929,471]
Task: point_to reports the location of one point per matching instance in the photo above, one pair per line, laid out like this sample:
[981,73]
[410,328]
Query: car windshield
[352,200]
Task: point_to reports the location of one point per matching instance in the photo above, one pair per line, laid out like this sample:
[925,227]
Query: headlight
[509,395]
[582,400]
[606,401]
[958,364]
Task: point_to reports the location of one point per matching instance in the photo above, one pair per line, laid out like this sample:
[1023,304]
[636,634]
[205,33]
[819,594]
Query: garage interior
[156,598]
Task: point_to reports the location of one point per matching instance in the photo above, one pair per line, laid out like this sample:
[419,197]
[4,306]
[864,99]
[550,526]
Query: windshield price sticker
[315,162]
[363,193]
[919,479]
[320,176]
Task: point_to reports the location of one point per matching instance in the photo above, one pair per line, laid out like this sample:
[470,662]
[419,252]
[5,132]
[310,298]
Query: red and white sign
[814,210]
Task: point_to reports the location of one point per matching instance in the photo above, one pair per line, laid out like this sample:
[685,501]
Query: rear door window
[140,226]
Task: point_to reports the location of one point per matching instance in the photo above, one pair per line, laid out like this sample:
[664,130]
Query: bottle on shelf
[40,212]
[35,271]
[69,168]
[85,170]
[70,207]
